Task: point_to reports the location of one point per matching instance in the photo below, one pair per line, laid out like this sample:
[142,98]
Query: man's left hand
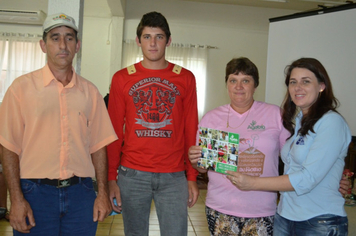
[102,207]
[193,193]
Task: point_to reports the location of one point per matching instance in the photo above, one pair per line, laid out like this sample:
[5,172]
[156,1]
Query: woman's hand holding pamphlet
[220,150]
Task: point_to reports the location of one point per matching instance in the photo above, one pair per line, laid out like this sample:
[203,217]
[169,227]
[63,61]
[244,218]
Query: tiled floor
[113,225]
[197,222]
[197,225]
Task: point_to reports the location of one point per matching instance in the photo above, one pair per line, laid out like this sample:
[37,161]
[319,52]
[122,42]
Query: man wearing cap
[54,128]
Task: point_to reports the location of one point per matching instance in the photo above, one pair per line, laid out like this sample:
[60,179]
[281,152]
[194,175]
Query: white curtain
[192,57]
[20,54]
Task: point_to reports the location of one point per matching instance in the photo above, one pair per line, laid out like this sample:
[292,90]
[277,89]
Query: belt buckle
[64,183]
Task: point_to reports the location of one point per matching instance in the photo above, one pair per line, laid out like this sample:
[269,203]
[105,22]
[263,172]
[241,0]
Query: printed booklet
[220,150]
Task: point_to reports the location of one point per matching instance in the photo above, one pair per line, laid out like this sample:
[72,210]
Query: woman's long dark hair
[325,102]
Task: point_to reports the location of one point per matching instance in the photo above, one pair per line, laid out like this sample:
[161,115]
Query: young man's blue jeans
[170,194]
[328,224]
[61,211]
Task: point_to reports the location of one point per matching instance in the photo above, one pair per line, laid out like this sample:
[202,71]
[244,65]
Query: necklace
[228,116]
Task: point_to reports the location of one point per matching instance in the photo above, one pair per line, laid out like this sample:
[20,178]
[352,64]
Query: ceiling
[107,8]
[95,8]
[298,5]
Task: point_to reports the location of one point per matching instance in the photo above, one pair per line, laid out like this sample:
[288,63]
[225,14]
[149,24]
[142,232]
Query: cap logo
[61,16]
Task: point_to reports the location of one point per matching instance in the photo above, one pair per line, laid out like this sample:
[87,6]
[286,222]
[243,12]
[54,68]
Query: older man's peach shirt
[54,129]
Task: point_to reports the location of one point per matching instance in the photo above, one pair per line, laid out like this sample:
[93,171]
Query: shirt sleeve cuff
[112,175]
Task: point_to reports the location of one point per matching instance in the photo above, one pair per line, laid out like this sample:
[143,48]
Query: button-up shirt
[54,129]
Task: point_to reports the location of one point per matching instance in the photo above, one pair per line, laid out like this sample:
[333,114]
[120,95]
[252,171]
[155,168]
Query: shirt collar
[48,77]
[299,116]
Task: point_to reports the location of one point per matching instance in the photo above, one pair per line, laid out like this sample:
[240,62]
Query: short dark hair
[153,19]
[244,66]
[44,36]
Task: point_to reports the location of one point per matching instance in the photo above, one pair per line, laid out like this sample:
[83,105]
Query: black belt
[59,183]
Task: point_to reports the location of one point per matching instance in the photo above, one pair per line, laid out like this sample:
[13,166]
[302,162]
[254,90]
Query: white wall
[328,37]
[235,30]
[96,52]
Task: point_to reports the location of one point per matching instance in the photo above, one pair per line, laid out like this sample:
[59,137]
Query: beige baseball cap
[57,20]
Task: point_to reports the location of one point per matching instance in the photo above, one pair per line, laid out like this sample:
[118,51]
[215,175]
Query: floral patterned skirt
[227,225]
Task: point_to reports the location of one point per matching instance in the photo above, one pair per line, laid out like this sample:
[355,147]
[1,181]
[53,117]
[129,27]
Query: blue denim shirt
[314,164]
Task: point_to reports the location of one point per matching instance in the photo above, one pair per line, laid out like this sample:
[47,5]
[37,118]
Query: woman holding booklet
[229,210]
[313,156]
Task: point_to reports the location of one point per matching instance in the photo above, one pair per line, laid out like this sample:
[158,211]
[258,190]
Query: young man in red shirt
[156,102]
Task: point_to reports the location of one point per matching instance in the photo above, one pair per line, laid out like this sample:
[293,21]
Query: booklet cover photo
[220,150]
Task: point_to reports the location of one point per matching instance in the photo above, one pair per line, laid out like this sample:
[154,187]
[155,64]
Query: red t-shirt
[158,110]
